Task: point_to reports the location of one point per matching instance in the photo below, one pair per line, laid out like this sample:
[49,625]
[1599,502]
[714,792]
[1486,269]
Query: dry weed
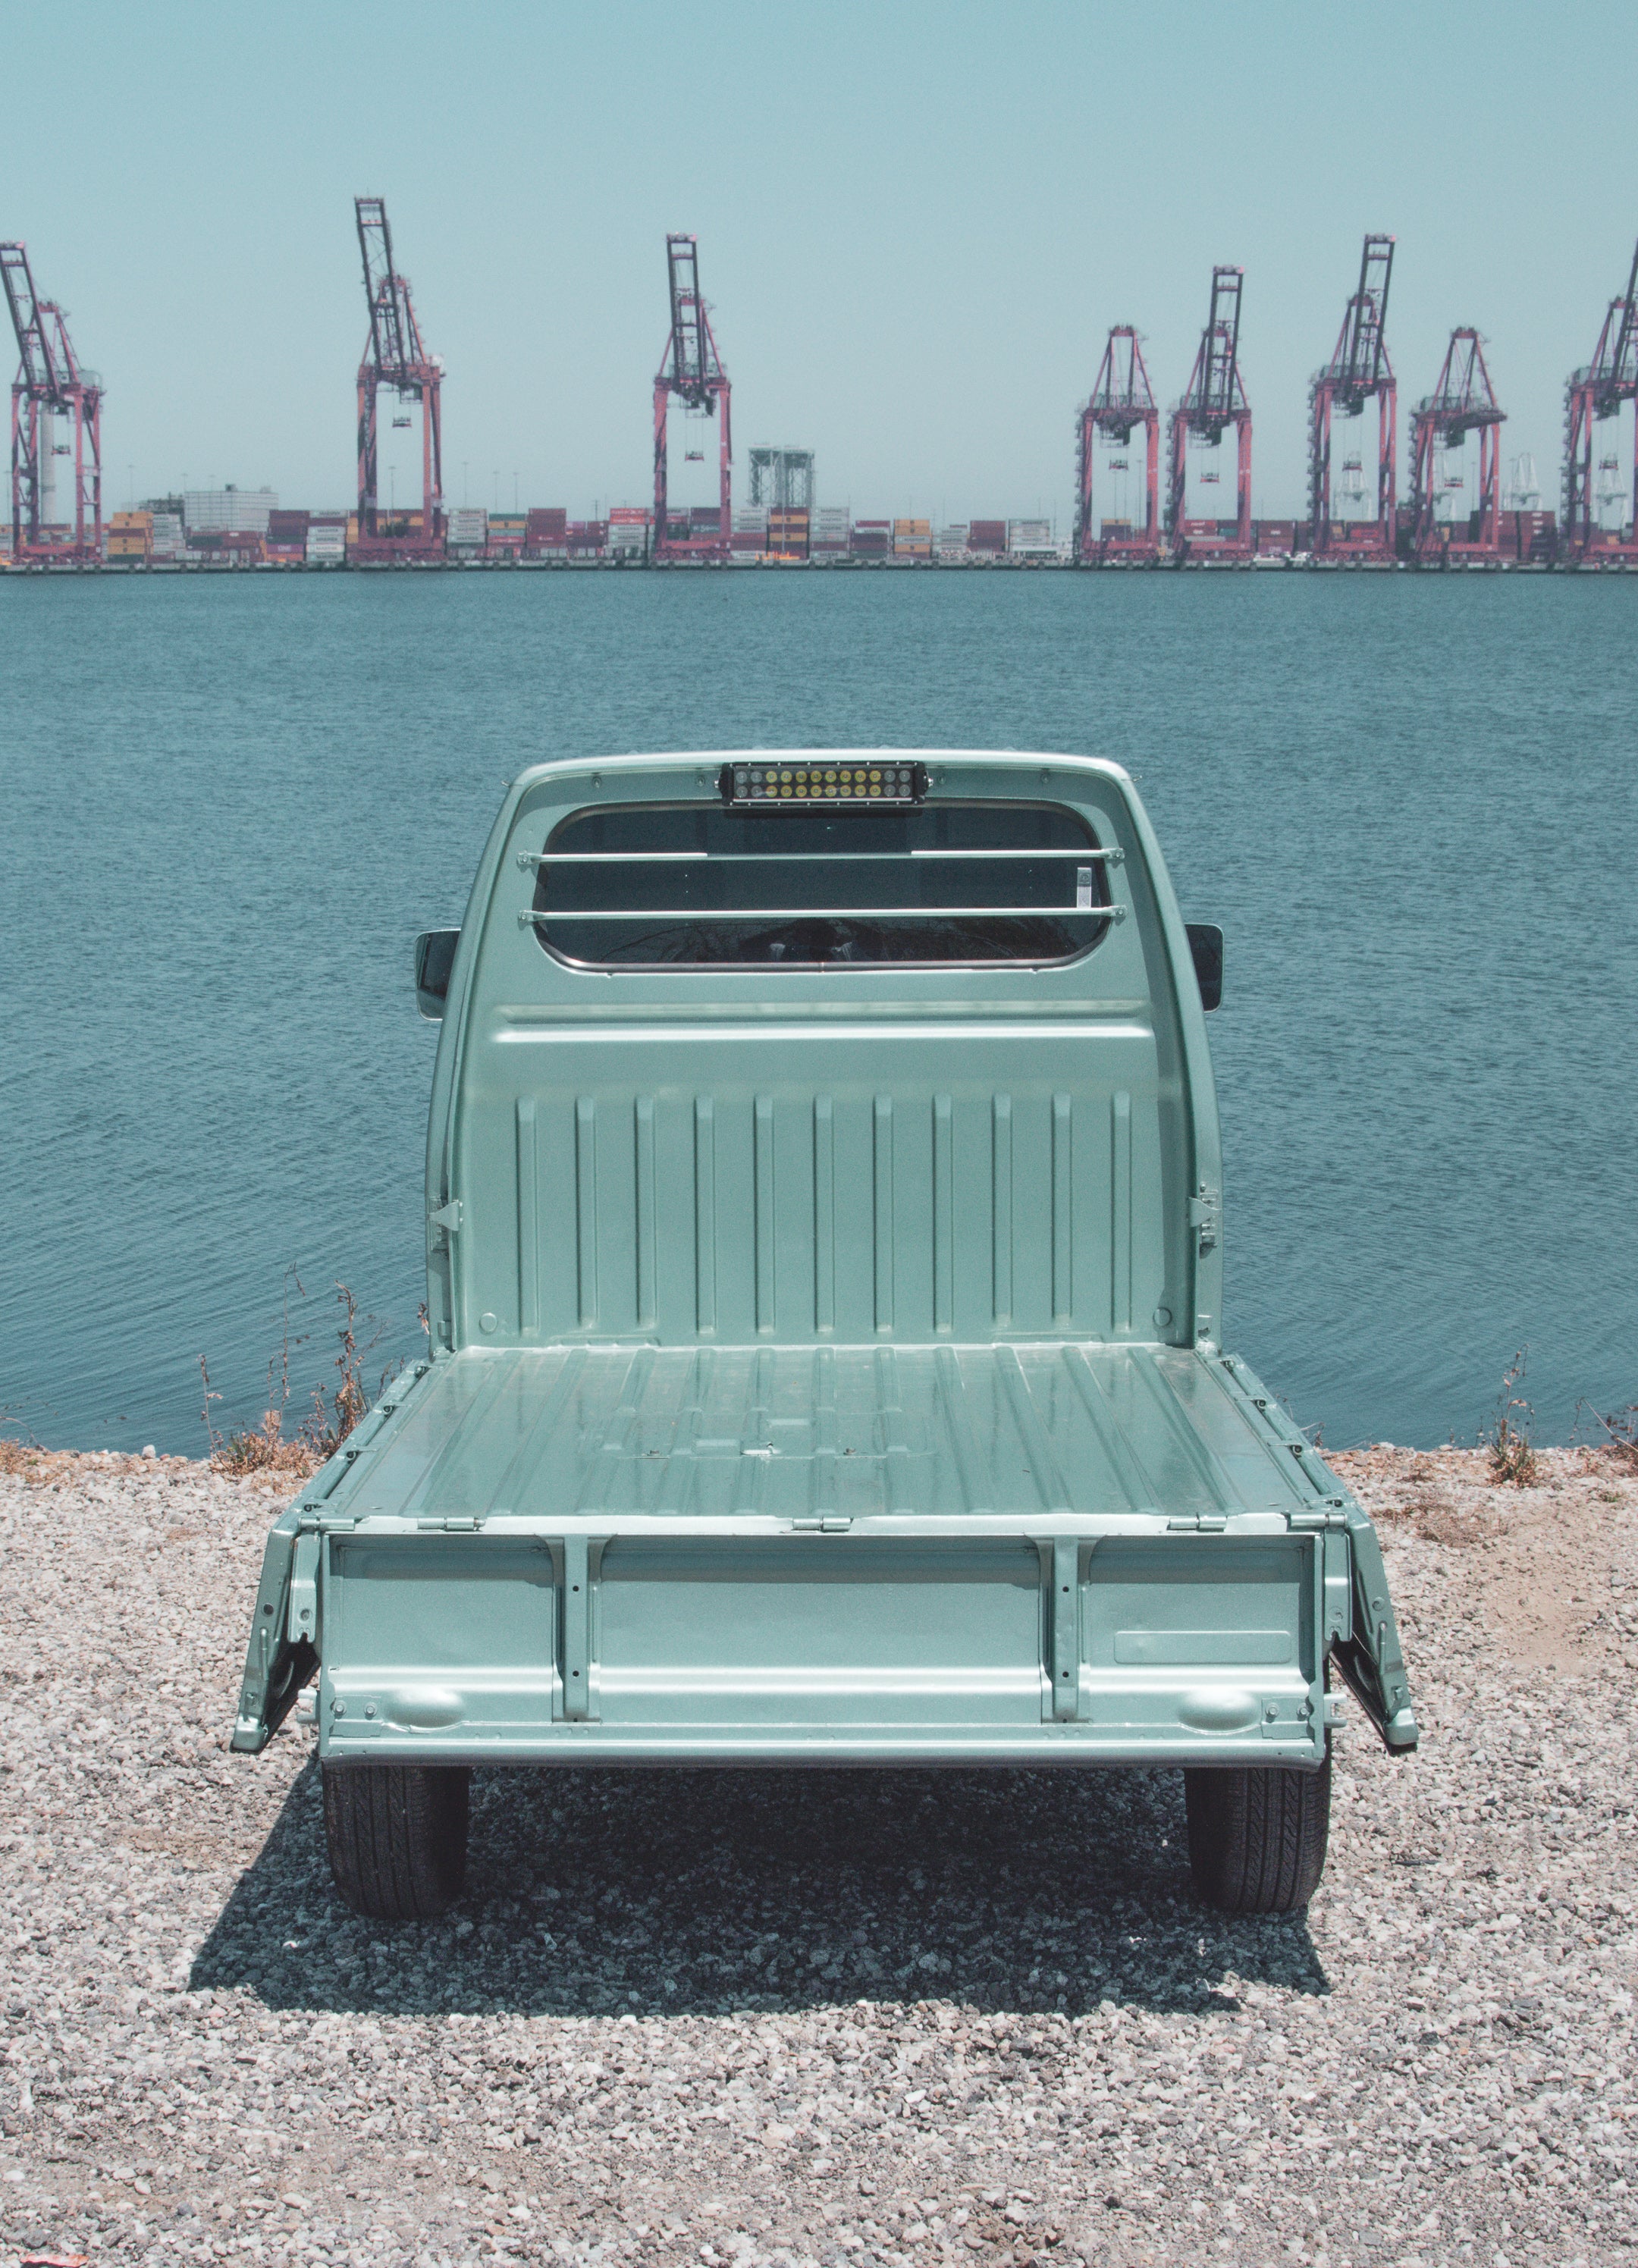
[1512,1452]
[267,1448]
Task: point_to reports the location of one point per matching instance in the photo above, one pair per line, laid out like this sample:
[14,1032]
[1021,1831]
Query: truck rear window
[666,885]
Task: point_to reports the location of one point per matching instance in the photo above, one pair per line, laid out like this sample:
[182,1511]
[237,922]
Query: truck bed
[1048,1552]
[786,1434]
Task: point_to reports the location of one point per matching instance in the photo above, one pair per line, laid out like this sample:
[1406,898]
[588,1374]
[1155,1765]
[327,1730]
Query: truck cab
[824,1263]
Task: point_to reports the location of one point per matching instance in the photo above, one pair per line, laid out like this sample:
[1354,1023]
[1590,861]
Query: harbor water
[231,802]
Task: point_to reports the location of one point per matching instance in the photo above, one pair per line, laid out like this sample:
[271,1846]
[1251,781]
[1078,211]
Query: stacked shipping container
[787,533]
[1030,539]
[749,538]
[129,537]
[628,531]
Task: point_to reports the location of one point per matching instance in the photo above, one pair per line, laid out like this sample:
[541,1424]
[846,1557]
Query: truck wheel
[1256,1837]
[398,1836]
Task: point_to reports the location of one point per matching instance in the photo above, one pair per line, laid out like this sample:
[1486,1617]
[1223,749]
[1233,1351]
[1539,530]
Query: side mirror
[1206,943]
[434,958]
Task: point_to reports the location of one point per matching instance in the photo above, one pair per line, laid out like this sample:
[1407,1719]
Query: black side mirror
[434,958]
[1206,943]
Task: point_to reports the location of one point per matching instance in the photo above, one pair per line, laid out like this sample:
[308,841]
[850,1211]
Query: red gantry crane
[1214,401]
[1122,401]
[395,357]
[1357,372]
[49,384]
[691,369]
[1463,402]
[1592,396]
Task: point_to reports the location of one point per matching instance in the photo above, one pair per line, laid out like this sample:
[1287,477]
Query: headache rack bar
[817,913]
[527,859]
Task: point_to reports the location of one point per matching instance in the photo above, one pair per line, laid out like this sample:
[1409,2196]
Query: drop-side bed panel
[714,1645]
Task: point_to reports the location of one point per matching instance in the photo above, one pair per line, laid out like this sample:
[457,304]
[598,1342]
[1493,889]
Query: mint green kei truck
[824,1272]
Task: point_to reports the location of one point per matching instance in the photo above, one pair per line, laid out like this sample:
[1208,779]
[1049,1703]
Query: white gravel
[857,2018]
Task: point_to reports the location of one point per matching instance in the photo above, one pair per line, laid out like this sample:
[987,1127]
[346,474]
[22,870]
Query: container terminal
[1142,500]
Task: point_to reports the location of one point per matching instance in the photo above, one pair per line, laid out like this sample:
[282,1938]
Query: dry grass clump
[267,1447]
[1512,1452]
[18,1456]
[1619,1447]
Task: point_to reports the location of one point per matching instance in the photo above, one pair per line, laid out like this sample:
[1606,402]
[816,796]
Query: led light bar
[887,782]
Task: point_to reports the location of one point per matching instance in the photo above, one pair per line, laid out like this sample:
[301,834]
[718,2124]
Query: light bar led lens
[840,782]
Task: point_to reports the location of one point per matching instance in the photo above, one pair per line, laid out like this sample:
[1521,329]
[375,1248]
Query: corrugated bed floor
[796,1432]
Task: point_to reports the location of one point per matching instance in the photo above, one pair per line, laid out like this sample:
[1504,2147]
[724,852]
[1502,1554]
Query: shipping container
[229,511]
[549,524]
[986,535]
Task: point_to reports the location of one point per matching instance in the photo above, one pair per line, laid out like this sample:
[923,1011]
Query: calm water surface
[230,804]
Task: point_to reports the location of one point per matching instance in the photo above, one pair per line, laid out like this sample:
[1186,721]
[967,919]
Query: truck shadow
[657,1893]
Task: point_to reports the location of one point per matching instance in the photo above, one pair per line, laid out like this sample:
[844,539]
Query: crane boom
[690,368]
[394,355]
[1358,362]
[1214,400]
[50,384]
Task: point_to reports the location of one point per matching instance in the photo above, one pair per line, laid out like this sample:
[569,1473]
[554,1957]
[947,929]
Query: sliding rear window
[679,884]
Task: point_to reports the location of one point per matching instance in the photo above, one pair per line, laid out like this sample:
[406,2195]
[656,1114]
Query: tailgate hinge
[446,1216]
[1200,1523]
[452,1523]
[829,1523]
[1315,1518]
[1206,1215]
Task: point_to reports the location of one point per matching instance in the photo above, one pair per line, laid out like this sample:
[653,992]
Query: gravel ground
[856,2018]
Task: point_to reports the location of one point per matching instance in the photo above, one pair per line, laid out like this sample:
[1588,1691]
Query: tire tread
[397,1836]
[1258,1835]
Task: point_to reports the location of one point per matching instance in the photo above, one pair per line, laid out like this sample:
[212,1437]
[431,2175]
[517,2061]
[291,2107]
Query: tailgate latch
[303,1589]
[1206,1215]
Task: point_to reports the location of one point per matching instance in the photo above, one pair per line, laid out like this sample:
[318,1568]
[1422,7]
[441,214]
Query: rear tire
[398,1836]
[1256,1836]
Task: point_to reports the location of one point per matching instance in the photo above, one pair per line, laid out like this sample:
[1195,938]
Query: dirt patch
[1547,1566]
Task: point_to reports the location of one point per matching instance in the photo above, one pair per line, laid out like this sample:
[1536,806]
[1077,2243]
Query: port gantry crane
[395,357]
[1214,400]
[1122,399]
[49,384]
[1463,402]
[690,368]
[1591,396]
[1357,372]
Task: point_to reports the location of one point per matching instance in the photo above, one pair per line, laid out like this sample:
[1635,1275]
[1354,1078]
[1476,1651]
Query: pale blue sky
[916,222]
